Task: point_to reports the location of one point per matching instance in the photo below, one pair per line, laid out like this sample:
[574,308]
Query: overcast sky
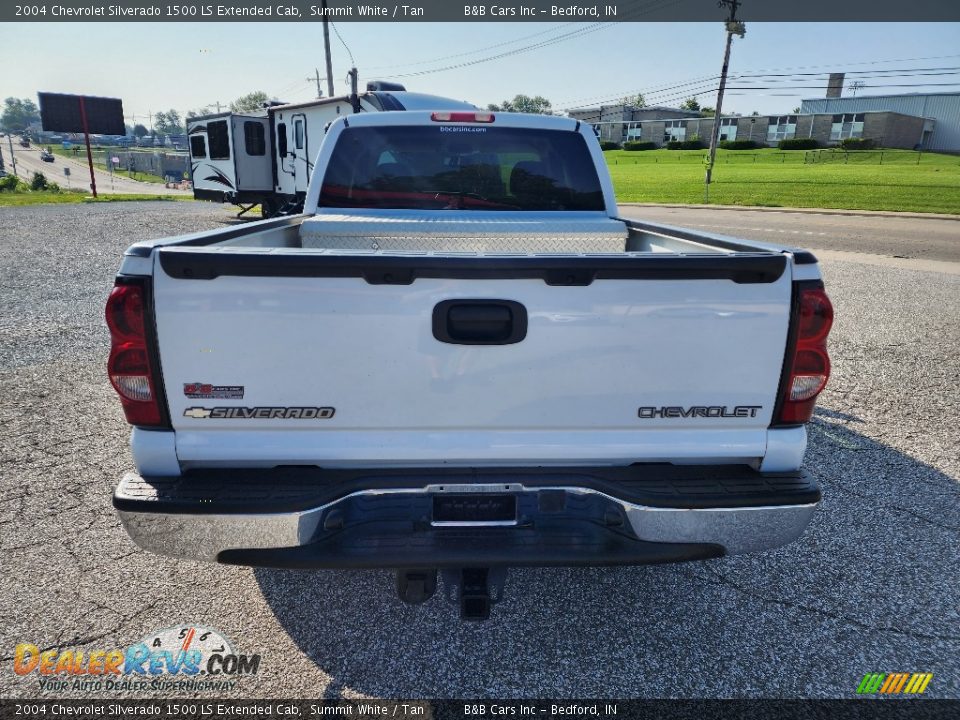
[158,66]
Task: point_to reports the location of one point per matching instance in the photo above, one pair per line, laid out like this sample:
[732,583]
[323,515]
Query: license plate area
[478,509]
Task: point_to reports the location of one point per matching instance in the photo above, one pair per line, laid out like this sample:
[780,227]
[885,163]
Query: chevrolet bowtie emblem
[196,412]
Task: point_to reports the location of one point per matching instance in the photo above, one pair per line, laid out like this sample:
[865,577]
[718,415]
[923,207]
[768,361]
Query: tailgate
[287,357]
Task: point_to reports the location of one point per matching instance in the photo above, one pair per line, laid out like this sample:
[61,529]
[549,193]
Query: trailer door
[302,164]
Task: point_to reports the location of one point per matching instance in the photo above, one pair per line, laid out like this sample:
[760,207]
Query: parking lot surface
[873,585]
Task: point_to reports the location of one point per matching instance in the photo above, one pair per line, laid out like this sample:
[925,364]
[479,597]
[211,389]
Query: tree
[168,123]
[754,114]
[38,181]
[537,105]
[690,104]
[250,102]
[796,109]
[205,110]
[18,114]
[707,112]
[140,130]
[637,101]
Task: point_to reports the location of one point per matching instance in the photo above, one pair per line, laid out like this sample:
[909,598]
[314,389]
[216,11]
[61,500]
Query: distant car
[46,157]
[24,142]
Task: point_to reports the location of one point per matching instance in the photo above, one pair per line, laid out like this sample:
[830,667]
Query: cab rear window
[461,167]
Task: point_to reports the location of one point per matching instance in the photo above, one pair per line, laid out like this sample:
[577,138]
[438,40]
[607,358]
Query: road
[872,586]
[902,238]
[29,162]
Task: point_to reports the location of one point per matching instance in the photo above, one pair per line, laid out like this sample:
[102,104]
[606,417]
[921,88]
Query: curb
[812,211]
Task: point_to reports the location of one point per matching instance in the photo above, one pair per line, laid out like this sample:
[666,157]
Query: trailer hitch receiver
[475,589]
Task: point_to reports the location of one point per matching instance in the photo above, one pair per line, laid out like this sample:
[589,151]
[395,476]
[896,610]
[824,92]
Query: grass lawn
[46,198]
[774,178]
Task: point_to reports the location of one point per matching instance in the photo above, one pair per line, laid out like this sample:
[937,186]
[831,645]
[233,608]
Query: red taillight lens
[809,368]
[816,315]
[477,117]
[125,312]
[129,363]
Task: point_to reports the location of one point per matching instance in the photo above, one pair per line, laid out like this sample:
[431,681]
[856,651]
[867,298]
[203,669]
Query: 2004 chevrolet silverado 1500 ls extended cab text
[460,358]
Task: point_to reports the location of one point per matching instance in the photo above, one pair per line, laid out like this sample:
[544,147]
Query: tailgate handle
[479,322]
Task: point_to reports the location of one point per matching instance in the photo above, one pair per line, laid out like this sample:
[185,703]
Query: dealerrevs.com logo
[185,657]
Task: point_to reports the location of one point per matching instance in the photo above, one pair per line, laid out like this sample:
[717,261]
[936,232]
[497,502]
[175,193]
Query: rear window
[461,167]
[219,140]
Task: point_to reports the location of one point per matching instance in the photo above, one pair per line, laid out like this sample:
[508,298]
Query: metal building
[944,108]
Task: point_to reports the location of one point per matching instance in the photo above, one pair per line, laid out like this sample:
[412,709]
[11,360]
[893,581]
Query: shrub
[693,143]
[609,145]
[858,144]
[636,145]
[11,183]
[38,182]
[739,145]
[798,144]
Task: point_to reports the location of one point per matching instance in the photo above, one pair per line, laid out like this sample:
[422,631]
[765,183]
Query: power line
[472,52]
[546,43]
[353,62]
[745,78]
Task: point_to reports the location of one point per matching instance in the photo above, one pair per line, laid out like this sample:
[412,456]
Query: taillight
[807,371]
[477,117]
[129,365]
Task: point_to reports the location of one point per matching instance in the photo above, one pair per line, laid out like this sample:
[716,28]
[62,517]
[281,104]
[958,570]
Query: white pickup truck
[460,358]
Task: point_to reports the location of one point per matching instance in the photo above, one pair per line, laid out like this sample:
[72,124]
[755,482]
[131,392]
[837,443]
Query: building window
[634,131]
[846,126]
[674,130]
[783,127]
[198,147]
[253,138]
[219,140]
[728,129]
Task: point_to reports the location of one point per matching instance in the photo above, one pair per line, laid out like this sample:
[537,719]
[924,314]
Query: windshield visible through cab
[461,167]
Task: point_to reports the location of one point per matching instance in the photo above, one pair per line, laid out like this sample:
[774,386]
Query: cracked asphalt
[873,585]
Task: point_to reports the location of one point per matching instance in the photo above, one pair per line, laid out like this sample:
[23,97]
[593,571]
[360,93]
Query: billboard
[61,113]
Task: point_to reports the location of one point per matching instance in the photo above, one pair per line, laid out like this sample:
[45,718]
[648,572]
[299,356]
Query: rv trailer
[266,159]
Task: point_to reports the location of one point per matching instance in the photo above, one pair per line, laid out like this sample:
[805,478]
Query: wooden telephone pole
[734,27]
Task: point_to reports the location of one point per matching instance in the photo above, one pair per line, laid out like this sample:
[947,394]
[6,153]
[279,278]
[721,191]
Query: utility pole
[326,45]
[13,158]
[319,91]
[734,27]
[354,98]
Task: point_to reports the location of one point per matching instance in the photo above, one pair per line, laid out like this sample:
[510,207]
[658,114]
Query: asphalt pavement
[29,162]
[872,586]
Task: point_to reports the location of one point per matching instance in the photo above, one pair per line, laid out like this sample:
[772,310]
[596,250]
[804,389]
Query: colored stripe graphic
[871,683]
[918,683]
[894,683]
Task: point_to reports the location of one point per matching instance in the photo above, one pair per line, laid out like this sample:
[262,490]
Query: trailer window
[219,140]
[198,146]
[461,167]
[298,134]
[282,140]
[253,138]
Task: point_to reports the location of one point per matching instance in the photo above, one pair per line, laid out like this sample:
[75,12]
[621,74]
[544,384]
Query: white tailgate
[569,393]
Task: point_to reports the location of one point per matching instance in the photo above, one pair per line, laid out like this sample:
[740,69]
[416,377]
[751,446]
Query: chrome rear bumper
[596,519]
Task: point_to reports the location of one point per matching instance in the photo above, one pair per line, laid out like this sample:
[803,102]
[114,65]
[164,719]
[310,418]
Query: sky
[186,66]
